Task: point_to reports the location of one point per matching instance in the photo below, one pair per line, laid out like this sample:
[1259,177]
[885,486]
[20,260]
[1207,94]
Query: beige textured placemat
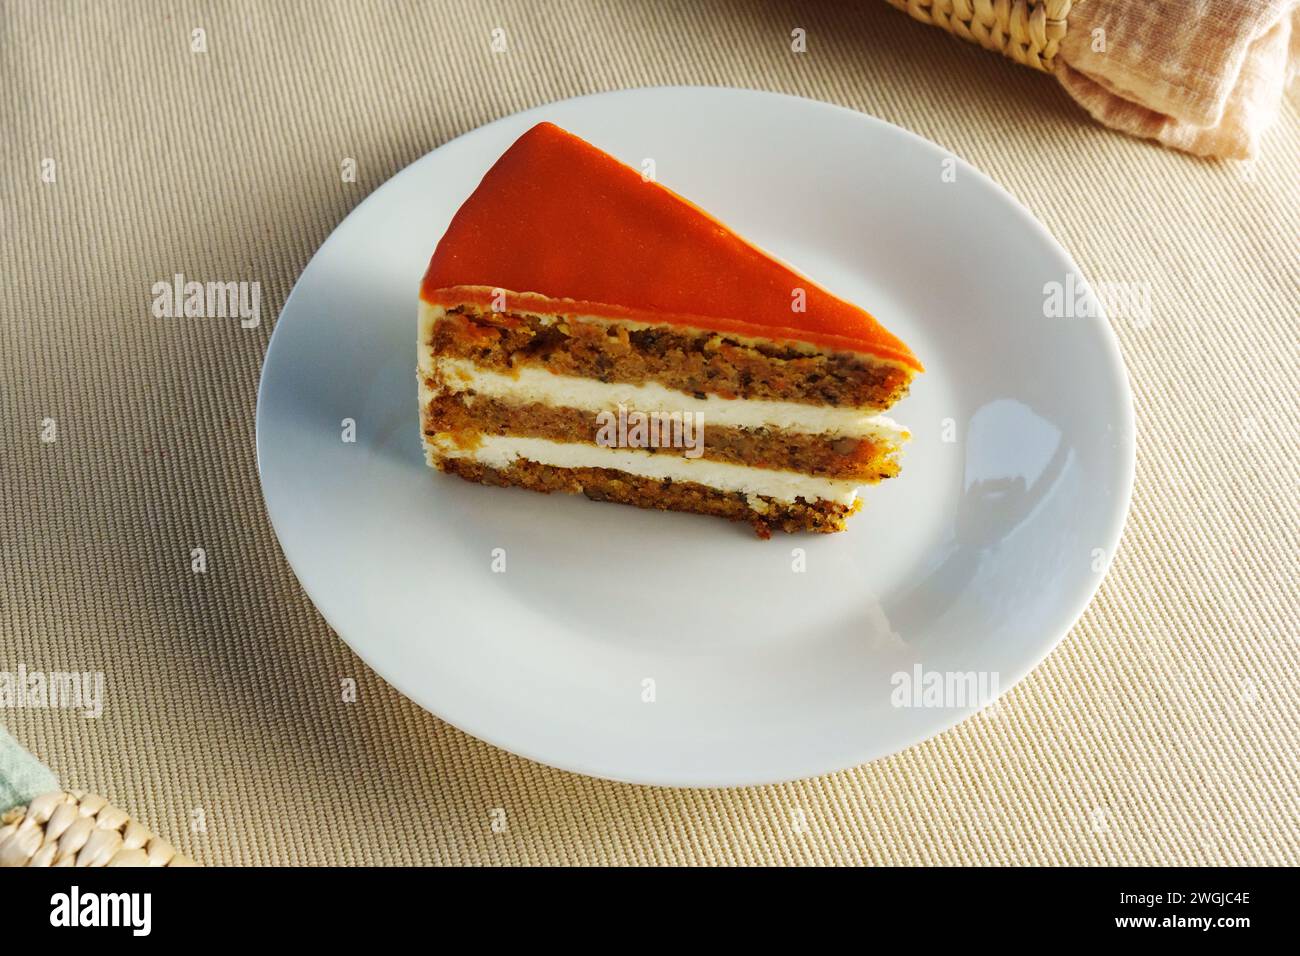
[1163,729]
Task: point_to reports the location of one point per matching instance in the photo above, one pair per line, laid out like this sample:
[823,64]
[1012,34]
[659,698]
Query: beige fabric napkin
[1205,76]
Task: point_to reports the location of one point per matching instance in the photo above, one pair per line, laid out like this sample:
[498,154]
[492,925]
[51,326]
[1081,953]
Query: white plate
[976,560]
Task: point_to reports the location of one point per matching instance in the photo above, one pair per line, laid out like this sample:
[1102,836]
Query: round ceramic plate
[682,650]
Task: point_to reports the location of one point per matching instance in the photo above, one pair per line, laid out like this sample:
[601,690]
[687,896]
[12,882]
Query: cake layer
[501,451]
[465,415]
[603,484]
[530,384]
[695,361]
[560,218]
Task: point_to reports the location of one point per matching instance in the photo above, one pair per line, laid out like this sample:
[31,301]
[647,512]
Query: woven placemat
[133,148]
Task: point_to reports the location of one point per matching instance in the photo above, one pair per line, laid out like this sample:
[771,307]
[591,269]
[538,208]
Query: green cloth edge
[22,776]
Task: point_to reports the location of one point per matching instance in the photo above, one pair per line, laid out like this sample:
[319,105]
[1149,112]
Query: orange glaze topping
[578,232]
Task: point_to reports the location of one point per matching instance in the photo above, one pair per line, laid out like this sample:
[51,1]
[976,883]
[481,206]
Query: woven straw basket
[1028,31]
[72,828]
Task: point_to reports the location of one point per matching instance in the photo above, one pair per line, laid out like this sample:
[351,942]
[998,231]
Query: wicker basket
[72,828]
[1028,31]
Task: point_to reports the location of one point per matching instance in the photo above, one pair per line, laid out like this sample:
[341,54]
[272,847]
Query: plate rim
[943,719]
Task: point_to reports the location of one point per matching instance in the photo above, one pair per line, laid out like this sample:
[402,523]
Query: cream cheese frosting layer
[529,385]
[500,451]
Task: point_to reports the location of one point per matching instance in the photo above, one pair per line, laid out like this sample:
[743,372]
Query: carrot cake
[583,329]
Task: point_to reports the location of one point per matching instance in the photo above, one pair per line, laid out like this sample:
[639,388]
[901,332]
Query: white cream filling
[587,394]
[500,451]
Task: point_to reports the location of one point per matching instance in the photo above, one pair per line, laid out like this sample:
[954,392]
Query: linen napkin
[1204,76]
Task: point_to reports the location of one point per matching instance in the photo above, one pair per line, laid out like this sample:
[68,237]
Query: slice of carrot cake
[588,331]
